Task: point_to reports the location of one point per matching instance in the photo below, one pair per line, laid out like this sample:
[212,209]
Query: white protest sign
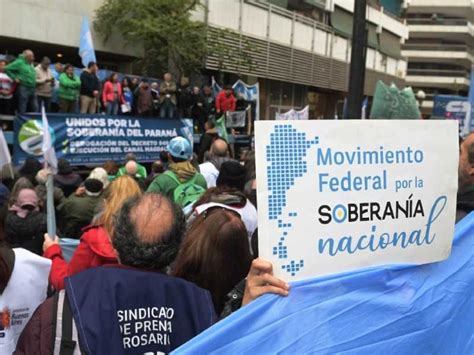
[293,115]
[340,195]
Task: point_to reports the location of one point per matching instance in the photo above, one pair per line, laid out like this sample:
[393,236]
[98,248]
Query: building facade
[52,28]
[299,49]
[440,47]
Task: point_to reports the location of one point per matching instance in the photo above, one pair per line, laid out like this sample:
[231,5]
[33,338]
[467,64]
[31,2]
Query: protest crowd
[26,87]
[161,253]
[181,235]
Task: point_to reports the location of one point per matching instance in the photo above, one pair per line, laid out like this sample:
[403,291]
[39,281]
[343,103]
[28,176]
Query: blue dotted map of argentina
[286,162]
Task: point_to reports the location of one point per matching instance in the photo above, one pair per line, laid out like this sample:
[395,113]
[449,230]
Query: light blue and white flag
[47,148]
[215,87]
[247,92]
[365,104]
[86,47]
[5,157]
[399,309]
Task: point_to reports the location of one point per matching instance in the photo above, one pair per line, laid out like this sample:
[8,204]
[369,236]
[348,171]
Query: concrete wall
[56,22]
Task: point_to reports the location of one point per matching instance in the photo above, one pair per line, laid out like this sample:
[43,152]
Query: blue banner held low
[94,139]
[419,309]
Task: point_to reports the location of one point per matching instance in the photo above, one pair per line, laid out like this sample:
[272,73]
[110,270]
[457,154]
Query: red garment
[94,250]
[225,103]
[108,94]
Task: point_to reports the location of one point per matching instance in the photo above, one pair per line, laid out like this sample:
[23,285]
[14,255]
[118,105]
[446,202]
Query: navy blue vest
[120,310]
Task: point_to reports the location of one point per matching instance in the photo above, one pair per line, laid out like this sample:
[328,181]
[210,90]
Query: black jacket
[205,143]
[234,299]
[89,84]
[26,232]
[465,202]
[68,182]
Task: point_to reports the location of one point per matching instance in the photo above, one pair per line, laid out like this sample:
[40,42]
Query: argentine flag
[86,47]
[389,310]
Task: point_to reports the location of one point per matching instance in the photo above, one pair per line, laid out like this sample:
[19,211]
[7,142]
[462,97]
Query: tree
[232,51]
[170,38]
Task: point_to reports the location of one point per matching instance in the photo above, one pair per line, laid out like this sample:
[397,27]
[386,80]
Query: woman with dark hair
[215,253]
[112,96]
[23,287]
[128,94]
[233,199]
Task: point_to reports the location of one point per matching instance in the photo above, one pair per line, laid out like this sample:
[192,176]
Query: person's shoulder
[201,179]
[23,255]
[207,168]
[97,238]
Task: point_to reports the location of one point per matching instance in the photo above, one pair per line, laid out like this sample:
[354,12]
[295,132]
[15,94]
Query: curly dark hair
[148,232]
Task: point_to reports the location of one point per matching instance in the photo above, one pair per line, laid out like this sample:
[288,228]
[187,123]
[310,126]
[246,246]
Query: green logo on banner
[30,137]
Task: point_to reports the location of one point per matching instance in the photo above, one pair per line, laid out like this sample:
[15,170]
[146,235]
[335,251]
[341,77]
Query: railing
[437,22]
[437,47]
[290,14]
[439,72]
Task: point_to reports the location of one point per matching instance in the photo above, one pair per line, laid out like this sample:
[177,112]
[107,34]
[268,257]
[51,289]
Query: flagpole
[11,171]
[47,146]
[50,212]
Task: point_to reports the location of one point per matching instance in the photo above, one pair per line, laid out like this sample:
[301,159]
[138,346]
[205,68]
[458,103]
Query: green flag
[391,103]
[221,128]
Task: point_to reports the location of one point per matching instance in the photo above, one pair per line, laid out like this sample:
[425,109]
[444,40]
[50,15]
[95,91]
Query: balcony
[458,54]
[453,8]
[445,29]
[439,78]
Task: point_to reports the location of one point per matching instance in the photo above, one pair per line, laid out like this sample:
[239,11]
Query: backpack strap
[172,176]
[193,179]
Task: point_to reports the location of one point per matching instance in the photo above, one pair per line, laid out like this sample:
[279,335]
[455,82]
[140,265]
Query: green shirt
[141,172]
[69,87]
[22,70]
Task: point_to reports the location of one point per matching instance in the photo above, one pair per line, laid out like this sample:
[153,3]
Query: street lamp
[420,95]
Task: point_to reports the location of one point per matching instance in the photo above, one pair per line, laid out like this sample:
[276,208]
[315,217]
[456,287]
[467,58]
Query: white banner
[293,115]
[340,195]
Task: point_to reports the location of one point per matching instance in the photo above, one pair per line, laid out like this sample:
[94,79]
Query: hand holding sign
[260,280]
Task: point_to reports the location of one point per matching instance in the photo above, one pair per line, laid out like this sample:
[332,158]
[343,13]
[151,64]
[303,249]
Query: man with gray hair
[23,73]
[44,84]
[168,97]
[141,170]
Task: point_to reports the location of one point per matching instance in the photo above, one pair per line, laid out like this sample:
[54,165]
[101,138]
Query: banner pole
[11,170]
[50,212]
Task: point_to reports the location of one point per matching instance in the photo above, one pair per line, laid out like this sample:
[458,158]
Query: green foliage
[163,27]
[231,57]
